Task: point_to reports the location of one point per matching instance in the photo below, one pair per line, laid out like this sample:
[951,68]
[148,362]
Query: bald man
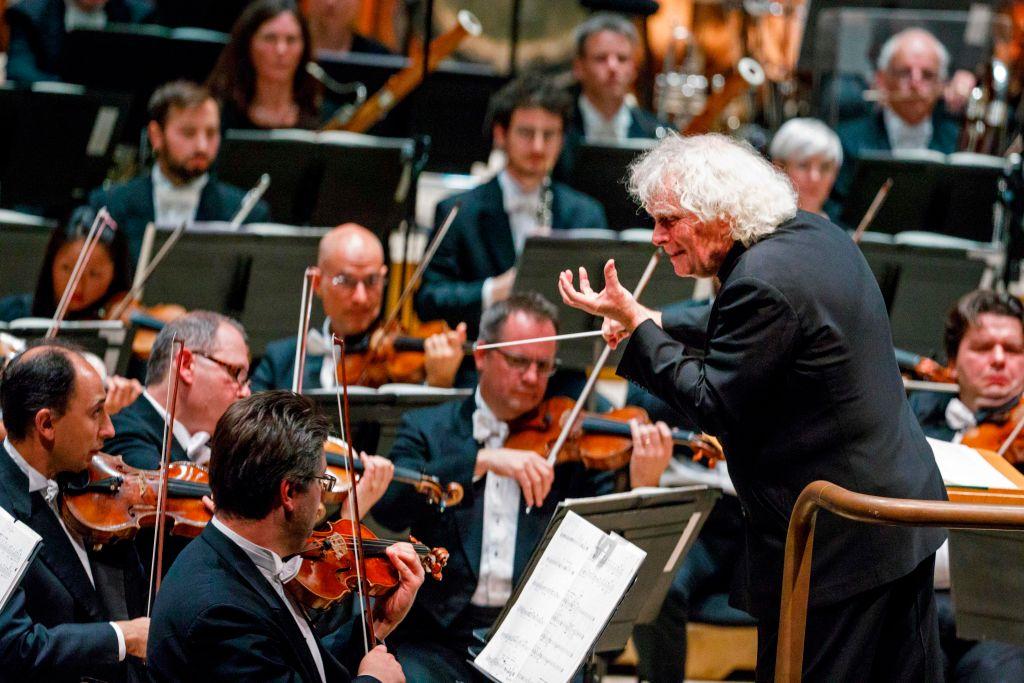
[352,280]
[913,67]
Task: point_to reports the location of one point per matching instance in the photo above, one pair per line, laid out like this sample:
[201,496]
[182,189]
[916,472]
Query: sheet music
[18,543]
[964,466]
[563,608]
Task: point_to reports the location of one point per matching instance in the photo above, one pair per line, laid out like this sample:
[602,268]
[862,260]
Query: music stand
[662,522]
[63,147]
[109,340]
[599,170]
[25,235]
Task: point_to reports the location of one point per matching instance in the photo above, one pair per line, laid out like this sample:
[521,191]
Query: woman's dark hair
[44,303]
[965,313]
[260,441]
[233,79]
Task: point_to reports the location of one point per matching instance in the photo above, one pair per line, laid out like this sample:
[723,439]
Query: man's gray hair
[197,329]
[714,177]
[604,21]
[532,303]
[802,138]
[890,46]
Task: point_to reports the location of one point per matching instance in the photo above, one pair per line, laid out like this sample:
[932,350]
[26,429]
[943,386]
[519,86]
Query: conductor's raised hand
[614,302]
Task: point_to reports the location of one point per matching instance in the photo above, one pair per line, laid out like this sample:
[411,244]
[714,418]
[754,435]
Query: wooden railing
[796,573]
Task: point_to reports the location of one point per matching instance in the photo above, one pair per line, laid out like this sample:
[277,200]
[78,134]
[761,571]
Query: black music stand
[109,340]
[946,194]
[599,170]
[63,146]
[26,236]
[662,522]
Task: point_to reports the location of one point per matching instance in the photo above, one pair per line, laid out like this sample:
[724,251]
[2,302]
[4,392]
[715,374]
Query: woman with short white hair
[809,152]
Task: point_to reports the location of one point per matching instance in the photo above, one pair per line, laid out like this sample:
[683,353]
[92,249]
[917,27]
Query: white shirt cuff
[486,293]
[122,650]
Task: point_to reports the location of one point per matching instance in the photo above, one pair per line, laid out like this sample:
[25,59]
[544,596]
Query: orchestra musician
[474,266]
[490,536]
[77,613]
[799,382]
[38,28]
[223,612]
[984,342]
[809,152]
[912,69]
[184,131]
[260,78]
[352,280]
[605,69]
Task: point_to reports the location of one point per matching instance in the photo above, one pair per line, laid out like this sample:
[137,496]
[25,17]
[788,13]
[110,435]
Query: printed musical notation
[564,605]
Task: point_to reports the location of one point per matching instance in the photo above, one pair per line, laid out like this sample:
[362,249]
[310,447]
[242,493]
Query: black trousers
[889,633]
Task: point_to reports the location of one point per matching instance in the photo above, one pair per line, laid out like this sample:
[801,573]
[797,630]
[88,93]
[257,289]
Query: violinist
[77,613]
[799,382]
[984,341]
[474,265]
[214,374]
[490,536]
[184,132]
[352,281]
[223,612]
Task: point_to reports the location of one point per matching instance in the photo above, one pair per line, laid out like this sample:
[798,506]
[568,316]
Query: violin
[115,500]
[436,493]
[148,320]
[328,571]
[393,356]
[923,367]
[1002,436]
[600,441]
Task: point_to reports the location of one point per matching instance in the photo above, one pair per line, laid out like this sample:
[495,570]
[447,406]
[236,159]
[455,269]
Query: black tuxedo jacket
[131,205]
[439,441]
[36,50]
[55,627]
[642,124]
[278,364]
[799,382]
[479,245]
[217,618]
[138,436]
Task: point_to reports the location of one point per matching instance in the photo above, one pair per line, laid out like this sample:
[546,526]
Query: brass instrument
[681,92]
[406,80]
[747,75]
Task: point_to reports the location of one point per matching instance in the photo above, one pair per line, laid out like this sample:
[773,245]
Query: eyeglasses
[350,282]
[327,482]
[239,374]
[545,366]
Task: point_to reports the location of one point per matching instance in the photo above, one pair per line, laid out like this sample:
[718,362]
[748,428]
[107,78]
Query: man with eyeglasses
[913,67]
[224,611]
[475,265]
[352,282]
[490,536]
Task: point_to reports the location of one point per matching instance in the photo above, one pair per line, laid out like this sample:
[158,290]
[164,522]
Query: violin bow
[599,365]
[341,394]
[101,222]
[1011,437]
[410,285]
[171,409]
[144,275]
[875,206]
[310,281]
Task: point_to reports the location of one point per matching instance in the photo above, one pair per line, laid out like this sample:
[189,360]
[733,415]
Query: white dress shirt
[501,516]
[196,446]
[38,482]
[277,573]
[902,135]
[176,204]
[596,128]
[525,212]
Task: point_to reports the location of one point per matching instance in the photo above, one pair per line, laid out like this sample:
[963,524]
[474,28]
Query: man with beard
[184,131]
